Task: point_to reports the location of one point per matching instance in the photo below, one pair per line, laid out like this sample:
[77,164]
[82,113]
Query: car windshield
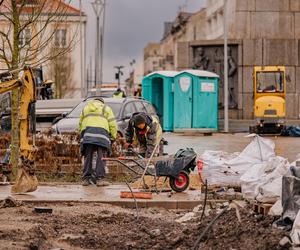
[269,82]
[75,113]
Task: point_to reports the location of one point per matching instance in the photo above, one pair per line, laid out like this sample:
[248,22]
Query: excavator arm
[26,181]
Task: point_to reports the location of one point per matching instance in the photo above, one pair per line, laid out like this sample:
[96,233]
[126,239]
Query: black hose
[209,226]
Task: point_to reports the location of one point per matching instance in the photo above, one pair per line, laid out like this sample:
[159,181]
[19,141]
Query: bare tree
[61,68]
[28,31]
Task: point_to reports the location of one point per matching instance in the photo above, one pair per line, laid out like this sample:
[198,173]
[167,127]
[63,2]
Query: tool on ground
[43,210]
[23,80]
[147,165]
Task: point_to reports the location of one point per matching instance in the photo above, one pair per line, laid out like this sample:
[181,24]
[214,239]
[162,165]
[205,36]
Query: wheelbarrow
[177,168]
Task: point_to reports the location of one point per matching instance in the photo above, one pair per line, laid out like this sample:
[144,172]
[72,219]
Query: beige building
[185,27]
[53,37]
[260,33]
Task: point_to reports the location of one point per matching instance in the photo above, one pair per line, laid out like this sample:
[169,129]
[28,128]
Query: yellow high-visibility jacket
[97,124]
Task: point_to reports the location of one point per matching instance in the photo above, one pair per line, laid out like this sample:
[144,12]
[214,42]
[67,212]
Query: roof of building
[167,73]
[200,73]
[46,7]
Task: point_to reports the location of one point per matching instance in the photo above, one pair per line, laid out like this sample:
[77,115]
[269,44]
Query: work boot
[85,183]
[102,183]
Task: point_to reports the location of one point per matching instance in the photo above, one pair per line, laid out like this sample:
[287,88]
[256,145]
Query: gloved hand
[128,145]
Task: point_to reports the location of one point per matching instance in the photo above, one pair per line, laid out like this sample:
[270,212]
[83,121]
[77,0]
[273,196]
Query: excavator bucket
[25,182]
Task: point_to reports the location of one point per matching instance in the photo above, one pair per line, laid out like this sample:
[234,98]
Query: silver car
[123,108]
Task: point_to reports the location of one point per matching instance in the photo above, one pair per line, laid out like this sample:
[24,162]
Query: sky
[129,26]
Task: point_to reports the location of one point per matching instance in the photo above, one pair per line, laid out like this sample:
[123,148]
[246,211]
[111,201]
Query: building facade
[260,33]
[52,36]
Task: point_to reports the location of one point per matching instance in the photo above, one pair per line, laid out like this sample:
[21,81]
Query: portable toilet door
[157,88]
[183,101]
[205,99]
[205,110]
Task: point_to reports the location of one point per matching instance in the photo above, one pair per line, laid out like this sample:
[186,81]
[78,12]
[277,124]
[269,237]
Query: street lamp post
[99,9]
[226,127]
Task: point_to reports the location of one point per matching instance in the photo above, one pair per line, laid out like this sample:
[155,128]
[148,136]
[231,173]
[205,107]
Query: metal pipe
[83,86]
[226,126]
[102,42]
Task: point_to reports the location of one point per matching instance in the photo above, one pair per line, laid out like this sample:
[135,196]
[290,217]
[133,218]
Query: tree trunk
[15,138]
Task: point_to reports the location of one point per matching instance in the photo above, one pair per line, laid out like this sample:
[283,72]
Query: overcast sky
[129,26]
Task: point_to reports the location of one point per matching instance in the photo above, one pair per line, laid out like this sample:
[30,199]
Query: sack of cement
[221,168]
[263,181]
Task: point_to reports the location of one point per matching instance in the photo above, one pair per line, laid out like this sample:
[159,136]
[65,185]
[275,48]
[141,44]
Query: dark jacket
[147,137]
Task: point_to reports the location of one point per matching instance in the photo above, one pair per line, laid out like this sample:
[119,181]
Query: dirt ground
[100,226]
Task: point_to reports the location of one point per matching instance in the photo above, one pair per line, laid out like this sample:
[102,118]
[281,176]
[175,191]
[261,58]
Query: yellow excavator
[23,80]
[269,99]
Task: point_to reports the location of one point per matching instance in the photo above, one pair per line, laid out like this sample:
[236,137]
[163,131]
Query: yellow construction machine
[23,80]
[269,99]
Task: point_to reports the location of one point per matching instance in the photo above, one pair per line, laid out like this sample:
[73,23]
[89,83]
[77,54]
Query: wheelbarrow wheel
[180,183]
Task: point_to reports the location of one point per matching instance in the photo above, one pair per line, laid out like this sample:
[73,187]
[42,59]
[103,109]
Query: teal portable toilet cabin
[196,100]
[158,88]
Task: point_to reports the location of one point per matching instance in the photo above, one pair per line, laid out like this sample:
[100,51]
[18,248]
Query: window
[140,107]
[25,38]
[60,38]
[150,109]
[269,82]
[129,110]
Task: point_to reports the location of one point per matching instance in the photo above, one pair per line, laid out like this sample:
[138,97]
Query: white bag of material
[250,179]
[221,168]
[263,182]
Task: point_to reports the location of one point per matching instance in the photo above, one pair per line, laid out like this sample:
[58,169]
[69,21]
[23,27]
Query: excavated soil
[99,226]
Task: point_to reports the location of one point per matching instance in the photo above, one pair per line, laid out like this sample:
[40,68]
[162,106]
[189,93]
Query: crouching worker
[146,130]
[98,127]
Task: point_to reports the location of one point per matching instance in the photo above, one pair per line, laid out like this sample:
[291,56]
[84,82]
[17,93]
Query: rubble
[99,226]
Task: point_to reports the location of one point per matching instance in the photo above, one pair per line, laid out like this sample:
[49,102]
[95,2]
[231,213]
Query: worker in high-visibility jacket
[98,128]
[119,93]
[146,130]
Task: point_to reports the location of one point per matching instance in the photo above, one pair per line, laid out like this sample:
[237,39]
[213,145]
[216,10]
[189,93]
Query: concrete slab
[110,195]
[252,52]
[272,5]
[245,5]
[280,52]
[282,24]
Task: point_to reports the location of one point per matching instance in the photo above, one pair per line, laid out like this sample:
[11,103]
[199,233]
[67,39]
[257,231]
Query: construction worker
[98,129]
[146,130]
[119,93]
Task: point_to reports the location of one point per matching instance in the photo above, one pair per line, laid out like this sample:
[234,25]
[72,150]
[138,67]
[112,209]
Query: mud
[99,226]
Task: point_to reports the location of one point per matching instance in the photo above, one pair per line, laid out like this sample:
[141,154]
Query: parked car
[123,108]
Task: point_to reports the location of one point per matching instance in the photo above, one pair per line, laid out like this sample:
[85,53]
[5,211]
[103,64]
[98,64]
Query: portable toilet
[158,88]
[196,100]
